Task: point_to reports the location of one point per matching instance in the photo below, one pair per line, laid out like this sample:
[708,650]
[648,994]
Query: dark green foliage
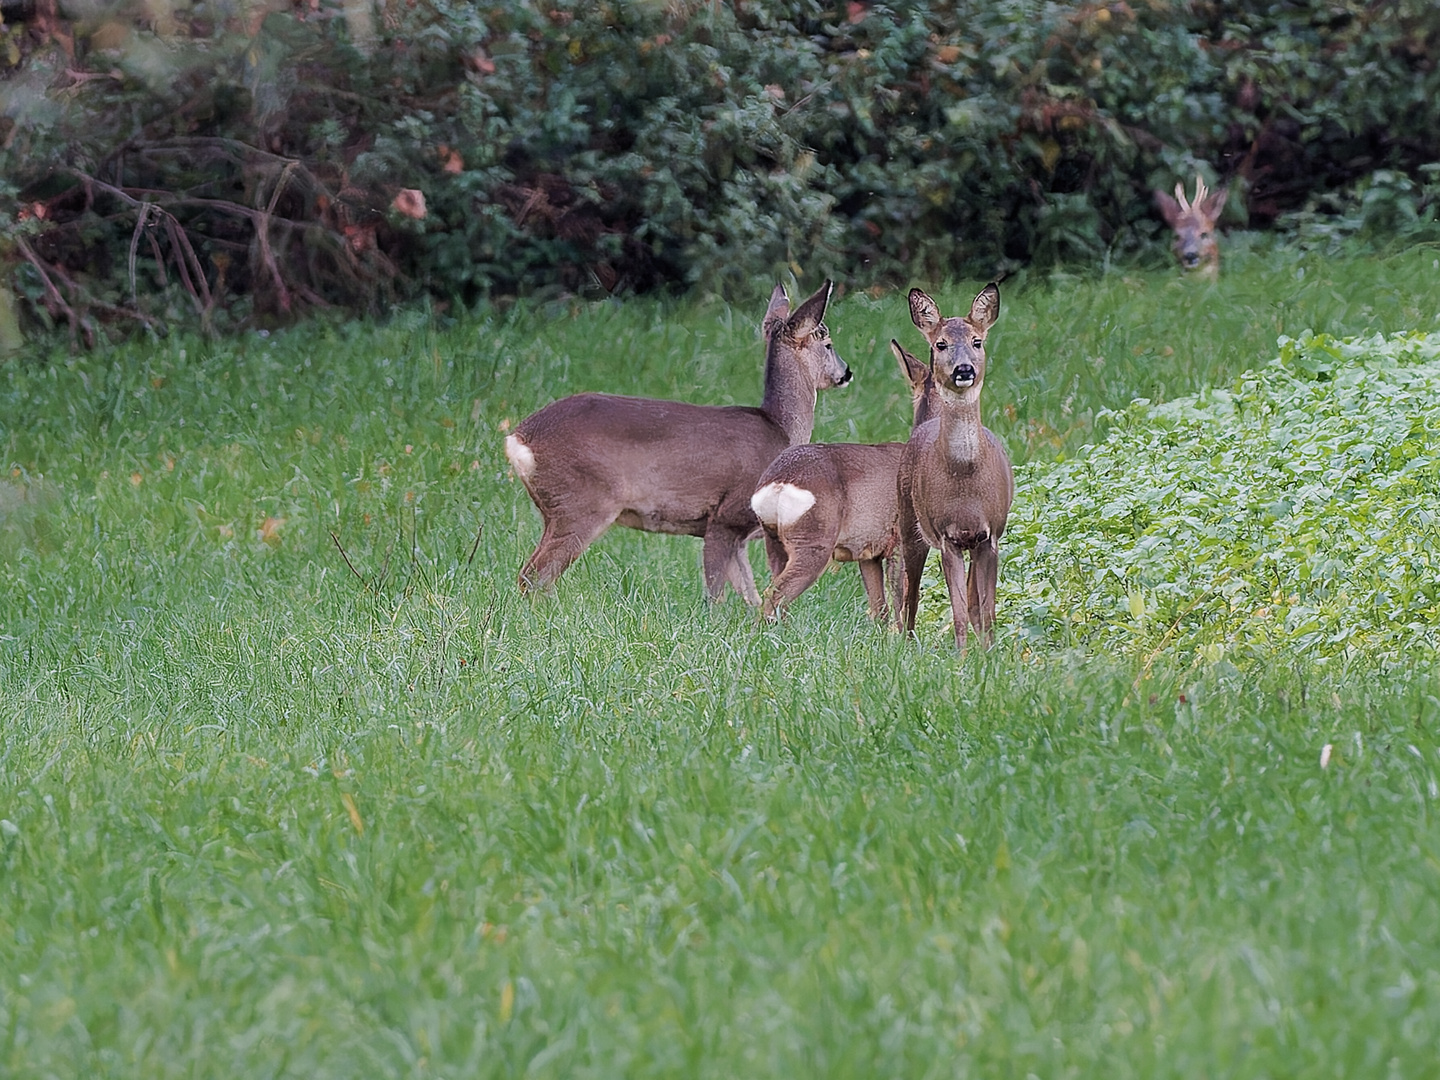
[631,146]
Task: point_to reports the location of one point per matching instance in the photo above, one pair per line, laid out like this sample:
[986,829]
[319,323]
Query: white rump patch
[779,504]
[522,458]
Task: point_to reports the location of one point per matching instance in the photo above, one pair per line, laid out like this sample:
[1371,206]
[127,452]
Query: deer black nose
[1191,258]
[845,379]
[964,375]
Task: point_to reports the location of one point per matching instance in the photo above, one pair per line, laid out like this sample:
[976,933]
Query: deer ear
[1215,203]
[811,313]
[924,312]
[776,313]
[986,308]
[1169,208]
[914,371]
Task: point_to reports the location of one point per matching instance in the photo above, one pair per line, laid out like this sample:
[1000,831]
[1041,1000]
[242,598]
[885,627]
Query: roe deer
[955,483]
[594,460]
[1194,225]
[836,500]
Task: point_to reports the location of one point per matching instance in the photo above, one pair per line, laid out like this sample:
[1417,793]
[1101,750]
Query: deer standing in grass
[955,483]
[1194,225]
[594,460]
[824,501]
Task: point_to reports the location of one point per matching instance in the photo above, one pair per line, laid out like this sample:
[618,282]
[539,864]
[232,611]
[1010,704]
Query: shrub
[188,165]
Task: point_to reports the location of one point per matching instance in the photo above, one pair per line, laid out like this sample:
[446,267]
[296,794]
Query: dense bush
[167,161]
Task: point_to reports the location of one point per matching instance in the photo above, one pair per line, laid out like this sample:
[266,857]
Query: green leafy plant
[1291,513]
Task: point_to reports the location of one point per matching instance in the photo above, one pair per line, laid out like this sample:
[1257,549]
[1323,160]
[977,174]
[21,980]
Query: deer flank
[594,460]
[954,482]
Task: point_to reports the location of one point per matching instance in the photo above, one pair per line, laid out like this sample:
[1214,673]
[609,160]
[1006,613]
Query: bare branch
[156,253]
[184,255]
[140,219]
[52,295]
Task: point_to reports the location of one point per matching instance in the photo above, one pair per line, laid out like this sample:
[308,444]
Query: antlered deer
[1194,225]
[595,460]
[955,483]
[835,500]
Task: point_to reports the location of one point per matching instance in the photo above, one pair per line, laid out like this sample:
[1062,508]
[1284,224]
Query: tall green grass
[293,785]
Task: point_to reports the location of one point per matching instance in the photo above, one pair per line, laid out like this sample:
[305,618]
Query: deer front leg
[724,560]
[893,582]
[984,572]
[872,574]
[952,562]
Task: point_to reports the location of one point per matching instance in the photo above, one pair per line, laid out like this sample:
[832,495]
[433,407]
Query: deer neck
[961,433]
[789,396]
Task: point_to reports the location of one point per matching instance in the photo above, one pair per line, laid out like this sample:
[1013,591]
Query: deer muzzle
[963,376]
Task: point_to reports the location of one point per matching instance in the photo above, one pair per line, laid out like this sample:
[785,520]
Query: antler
[1200,192]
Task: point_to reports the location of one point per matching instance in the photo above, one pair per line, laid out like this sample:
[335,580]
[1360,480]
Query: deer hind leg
[807,541]
[952,562]
[872,574]
[559,546]
[804,567]
[775,554]
[724,560]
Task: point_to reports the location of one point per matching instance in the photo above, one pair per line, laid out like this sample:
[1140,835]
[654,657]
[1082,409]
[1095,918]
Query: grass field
[292,784]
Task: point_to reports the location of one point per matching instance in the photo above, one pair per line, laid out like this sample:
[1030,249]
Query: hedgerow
[1294,512]
[212,164]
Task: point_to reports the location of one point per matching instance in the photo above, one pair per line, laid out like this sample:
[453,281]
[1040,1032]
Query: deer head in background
[1194,223]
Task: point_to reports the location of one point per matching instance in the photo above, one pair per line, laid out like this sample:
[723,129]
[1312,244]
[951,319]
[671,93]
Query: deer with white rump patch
[955,483]
[1194,225]
[825,501]
[594,460]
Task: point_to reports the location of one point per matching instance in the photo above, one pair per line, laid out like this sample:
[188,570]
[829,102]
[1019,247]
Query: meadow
[293,783]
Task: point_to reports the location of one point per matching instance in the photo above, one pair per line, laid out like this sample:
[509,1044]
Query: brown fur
[595,460]
[1194,223]
[955,483]
[855,516]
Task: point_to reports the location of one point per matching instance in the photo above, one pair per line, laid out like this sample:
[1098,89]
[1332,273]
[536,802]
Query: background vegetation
[273,806]
[199,163]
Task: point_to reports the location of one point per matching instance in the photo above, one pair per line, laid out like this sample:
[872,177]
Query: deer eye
[977,343]
[941,346]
